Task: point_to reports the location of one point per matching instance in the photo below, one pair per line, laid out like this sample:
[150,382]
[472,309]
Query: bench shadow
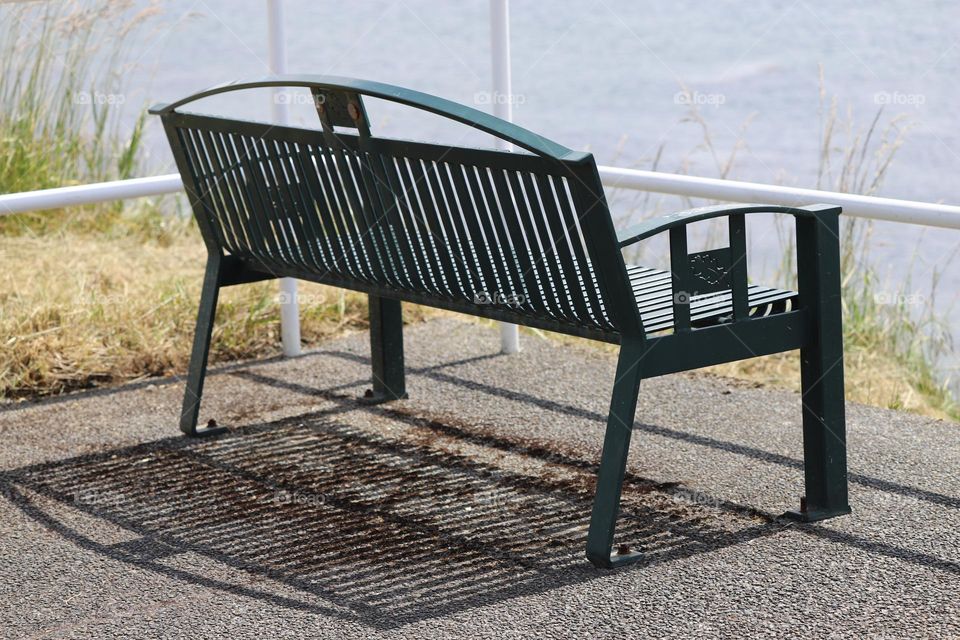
[313,514]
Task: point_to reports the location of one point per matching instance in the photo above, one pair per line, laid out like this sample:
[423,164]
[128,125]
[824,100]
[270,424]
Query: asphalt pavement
[461,512]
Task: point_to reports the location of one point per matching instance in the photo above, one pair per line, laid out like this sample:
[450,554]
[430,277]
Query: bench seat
[653,291]
[654,295]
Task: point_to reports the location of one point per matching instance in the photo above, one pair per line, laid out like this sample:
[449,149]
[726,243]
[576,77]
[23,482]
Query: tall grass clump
[894,331]
[60,104]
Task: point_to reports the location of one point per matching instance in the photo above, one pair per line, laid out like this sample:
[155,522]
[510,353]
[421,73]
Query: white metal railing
[61,197]
[929,214]
[889,209]
[289,306]
[502,101]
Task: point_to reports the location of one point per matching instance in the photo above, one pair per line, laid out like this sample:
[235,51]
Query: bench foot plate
[378,397]
[815,516]
[615,560]
[206,432]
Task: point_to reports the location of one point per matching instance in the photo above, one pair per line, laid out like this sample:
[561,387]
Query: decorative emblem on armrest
[710,271]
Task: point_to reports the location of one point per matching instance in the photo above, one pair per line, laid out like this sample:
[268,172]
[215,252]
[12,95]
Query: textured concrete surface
[462,511]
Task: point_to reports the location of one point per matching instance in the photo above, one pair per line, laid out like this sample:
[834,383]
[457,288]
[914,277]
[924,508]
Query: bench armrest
[725,269]
[653,226]
[523,138]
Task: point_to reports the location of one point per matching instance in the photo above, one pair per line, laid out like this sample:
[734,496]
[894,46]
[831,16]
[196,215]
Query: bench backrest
[473,229]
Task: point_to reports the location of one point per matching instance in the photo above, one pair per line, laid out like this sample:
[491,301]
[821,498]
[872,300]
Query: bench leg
[386,350]
[821,373]
[613,462]
[824,437]
[201,348]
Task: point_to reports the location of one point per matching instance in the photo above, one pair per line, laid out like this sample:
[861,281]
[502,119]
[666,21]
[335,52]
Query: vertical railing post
[289,305]
[502,101]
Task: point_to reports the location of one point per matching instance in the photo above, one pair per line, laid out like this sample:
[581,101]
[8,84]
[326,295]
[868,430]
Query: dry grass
[80,309]
[871,378]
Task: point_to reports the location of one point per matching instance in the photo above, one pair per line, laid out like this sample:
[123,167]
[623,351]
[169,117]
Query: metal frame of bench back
[416,221]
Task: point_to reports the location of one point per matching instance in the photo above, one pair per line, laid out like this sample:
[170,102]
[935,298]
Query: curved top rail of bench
[653,226]
[485,122]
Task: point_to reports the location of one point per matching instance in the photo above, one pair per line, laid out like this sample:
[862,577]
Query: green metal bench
[520,237]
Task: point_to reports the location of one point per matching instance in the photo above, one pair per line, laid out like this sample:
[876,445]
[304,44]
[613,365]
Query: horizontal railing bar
[889,209]
[58,198]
